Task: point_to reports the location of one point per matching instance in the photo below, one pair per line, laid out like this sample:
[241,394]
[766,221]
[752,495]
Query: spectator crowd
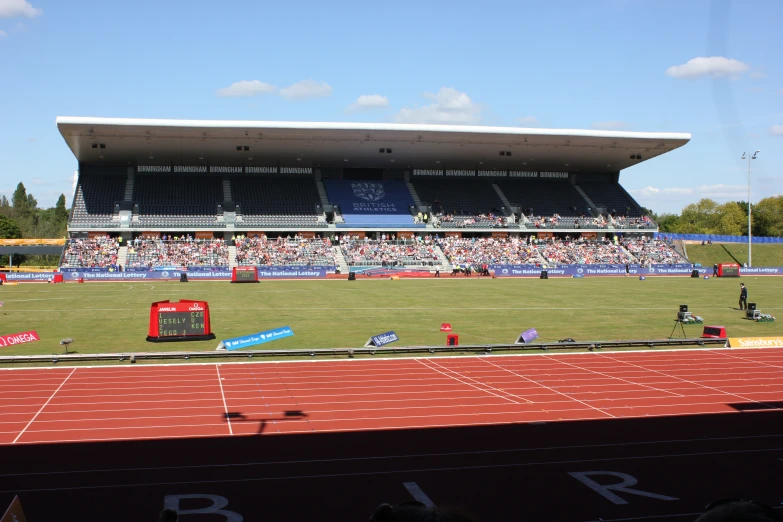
[296,251]
[177,251]
[100,252]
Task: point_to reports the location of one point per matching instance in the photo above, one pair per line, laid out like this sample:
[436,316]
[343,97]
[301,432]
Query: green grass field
[707,255]
[113,317]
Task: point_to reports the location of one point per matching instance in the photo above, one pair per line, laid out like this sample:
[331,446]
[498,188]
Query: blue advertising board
[382,339]
[527,336]
[255,339]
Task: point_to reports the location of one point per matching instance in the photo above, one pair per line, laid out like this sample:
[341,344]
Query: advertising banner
[18,338]
[255,339]
[382,339]
[755,342]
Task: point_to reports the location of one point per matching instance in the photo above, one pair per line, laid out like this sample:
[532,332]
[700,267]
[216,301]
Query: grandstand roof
[312,144]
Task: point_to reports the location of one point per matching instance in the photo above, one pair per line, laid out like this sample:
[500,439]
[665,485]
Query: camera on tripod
[684,316]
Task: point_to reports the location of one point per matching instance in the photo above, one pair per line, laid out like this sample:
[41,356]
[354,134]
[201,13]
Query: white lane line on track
[400,471]
[382,428]
[44,406]
[475,386]
[550,389]
[418,494]
[314,412]
[225,406]
[691,382]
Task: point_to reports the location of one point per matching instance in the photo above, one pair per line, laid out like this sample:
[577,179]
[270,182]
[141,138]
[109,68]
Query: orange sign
[545,235]
[453,234]
[307,235]
[589,235]
[14,513]
[405,234]
[499,234]
[92,235]
[150,234]
[204,235]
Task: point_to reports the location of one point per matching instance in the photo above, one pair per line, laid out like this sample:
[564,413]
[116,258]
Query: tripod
[682,329]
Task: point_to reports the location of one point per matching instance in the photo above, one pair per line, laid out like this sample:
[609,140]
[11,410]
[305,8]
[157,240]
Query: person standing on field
[743,300]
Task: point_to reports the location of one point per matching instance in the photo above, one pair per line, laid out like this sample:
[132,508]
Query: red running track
[481,432]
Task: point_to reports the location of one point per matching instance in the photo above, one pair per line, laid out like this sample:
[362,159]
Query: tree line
[21,218]
[730,219]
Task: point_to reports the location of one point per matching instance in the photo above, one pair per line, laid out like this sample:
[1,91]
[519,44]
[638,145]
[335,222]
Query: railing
[487,349]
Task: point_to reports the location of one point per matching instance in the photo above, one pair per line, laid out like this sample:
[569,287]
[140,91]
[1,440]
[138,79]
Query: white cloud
[368,101]
[306,89]
[692,194]
[39,182]
[660,193]
[246,88]
[758,75]
[14,8]
[714,66]
[529,121]
[449,106]
[610,125]
[3,34]
[776,130]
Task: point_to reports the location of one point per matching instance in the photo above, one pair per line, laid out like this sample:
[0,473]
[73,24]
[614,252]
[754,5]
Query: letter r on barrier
[218,503]
[607,490]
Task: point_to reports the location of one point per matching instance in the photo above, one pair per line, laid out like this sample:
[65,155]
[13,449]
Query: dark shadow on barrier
[235,416]
[497,472]
[758,406]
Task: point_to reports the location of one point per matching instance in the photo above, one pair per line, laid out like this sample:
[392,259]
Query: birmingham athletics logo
[368,191]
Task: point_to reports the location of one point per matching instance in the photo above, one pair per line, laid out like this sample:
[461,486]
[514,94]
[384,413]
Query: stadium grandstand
[184,193]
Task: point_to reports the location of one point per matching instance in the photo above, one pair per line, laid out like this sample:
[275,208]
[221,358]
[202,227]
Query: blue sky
[712,69]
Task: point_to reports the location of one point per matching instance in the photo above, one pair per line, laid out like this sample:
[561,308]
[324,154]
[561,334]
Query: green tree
[60,212]
[700,218]
[21,202]
[668,222]
[9,229]
[733,222]
[768,217]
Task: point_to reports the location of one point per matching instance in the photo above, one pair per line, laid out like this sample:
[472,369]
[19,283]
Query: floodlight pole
[750,157]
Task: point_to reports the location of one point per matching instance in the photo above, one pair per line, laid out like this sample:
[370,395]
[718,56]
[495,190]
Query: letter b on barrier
[218,503]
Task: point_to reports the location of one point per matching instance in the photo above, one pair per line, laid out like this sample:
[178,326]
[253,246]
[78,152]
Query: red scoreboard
[244,274]
[183,321]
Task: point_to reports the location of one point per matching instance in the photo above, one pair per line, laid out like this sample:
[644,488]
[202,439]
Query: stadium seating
[366,252]
[260,251]
[463,202]
[178,201]
[96,195]
[276,201]
[477,251]
[546,197]
[90,253]
[610,196]
[584,252]
[189,252]
[371,203]
[648,251]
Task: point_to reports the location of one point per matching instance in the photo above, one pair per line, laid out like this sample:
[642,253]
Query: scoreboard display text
[244,274]
[182,321]
[728,270]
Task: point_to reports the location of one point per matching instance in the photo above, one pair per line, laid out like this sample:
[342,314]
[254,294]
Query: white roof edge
[466,129]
